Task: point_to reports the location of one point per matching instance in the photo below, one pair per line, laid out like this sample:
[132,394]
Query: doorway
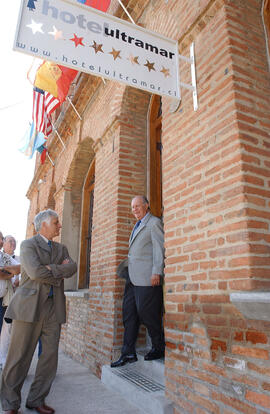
[86,228]
[155,156]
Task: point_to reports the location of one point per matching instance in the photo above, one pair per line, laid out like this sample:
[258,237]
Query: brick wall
[215,165]
[216,199]
[119,174]
[74,332]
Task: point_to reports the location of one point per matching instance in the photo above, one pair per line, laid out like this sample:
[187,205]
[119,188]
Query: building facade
[207,173]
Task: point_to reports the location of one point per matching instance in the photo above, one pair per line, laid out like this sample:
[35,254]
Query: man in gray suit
[143,296]
[37,310]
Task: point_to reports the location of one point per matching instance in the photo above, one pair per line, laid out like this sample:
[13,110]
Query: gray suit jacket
[36,280]
[146,252]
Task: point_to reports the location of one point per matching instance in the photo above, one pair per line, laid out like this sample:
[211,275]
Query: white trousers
[4,342]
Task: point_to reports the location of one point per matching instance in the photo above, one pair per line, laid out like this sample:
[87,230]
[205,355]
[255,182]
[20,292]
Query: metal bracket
[193,86]
[125,10]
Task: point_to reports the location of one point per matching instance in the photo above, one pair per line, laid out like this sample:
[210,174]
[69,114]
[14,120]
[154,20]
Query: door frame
[154,164]
[88,187]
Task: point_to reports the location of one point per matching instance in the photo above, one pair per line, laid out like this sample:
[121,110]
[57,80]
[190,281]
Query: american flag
[43,105]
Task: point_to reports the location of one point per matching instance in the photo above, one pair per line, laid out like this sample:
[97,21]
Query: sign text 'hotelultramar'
[85,39]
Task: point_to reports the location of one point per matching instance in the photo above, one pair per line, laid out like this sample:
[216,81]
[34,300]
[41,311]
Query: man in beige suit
[37,310]
[143,296]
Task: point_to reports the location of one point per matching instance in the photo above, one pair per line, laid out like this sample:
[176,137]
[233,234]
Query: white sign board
[82,38]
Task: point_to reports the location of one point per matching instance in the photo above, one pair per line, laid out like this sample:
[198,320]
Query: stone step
[141,383]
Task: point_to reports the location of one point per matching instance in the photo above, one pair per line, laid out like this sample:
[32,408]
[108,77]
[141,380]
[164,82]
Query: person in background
[1,240]
[9,247]
[143,296]
[37,309]
[2,311]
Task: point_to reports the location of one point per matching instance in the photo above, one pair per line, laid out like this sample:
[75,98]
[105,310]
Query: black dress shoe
[154,354]
[11,412]
[42,409]
[124,359]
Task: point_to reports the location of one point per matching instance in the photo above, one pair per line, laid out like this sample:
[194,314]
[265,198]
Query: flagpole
[120,2]
[28,73]
[74,108]
[51,161]
[60,139]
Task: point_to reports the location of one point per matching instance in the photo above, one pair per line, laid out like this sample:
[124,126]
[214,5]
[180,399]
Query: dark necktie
[135,228]
[13,256]
[51,290]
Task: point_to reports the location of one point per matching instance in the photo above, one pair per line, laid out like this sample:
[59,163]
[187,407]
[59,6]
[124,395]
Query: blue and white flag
[32,141]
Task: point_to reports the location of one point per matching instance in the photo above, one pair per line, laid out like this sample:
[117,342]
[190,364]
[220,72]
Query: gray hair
[45,215]
[143,198]
[8,237]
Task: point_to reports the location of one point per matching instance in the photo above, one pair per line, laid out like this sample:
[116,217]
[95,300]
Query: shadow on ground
[77,391]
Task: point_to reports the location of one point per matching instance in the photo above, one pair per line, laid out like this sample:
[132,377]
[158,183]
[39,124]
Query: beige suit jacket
[36,280]
[146,252]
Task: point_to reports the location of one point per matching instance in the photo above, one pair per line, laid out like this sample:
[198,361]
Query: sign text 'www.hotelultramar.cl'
[85,39]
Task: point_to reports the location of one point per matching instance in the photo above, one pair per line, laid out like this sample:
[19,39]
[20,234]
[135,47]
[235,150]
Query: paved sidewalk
[76,391]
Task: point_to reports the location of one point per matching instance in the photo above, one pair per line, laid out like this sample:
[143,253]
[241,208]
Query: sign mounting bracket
[125,10]
[193,86]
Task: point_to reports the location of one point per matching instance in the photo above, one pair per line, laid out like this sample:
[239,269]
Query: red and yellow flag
[55,79]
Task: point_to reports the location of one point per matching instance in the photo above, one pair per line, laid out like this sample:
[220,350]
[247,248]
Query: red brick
[266,386]
[238,336]
[202,376]
[210,406]
[250,352]
[234,403]
[256,337]
[214,298]
[259,399]
[216,344]
[212,309]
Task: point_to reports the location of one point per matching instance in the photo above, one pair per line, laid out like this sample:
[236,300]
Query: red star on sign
[77,40]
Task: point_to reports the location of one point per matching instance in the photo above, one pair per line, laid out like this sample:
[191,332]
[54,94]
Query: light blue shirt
[144,218]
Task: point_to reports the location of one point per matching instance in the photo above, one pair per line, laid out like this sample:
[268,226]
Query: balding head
[139,206]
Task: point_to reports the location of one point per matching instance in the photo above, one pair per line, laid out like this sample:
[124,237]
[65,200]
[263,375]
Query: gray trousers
[24,338]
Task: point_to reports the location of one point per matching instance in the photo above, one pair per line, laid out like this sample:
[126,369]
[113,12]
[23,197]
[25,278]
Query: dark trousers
[2,313]
[142,304]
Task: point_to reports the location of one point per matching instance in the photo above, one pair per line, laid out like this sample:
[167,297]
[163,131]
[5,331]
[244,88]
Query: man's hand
[13,269]
[65,261]
[155,280]
[5,275]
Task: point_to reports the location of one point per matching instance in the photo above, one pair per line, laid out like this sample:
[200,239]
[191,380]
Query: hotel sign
[85,39]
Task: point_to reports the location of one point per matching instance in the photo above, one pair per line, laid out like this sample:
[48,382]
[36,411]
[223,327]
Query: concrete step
[140,383]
